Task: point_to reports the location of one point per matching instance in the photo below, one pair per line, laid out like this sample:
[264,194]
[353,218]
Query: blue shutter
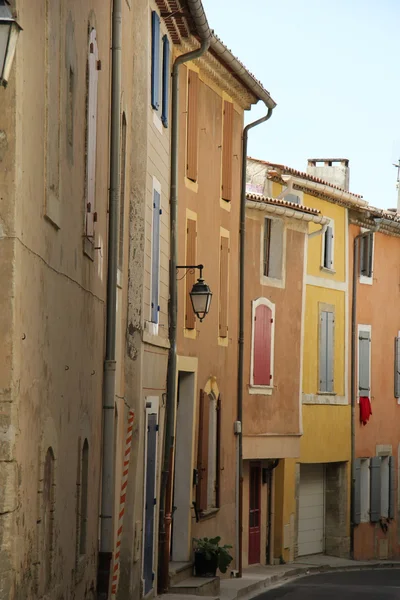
[357,493]
[155,257]
[155,60]
[165,82]
[375,488]
[392,487]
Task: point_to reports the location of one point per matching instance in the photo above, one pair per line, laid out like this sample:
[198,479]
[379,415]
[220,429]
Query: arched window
[84,498]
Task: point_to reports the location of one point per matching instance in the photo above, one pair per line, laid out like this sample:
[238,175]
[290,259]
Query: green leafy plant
[214,552]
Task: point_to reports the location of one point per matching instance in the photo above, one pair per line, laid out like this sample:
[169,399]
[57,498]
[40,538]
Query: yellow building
[312,493]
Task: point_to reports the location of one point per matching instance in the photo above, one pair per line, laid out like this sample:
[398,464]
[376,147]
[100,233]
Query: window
[192,126]
[91,135]
[374,494]
[122,194]
[83,513]
[191,236]
[293,198]
[361,491]
[273,248]
[364,361]
[223,286]
[209,446]
[326,350]
[165,82]
[155,60]
[328,247]
[227,151]
[397,367]
[366,255]
[155,252]
[262,359]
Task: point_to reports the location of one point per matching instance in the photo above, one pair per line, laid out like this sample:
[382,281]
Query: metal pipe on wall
[107,484]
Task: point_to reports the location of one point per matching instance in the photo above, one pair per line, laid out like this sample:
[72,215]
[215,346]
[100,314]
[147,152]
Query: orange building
[375,385]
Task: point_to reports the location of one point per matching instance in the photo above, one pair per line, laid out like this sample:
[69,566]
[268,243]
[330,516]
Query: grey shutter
[397,367]
[276,249]
[323,376]
[357,493]
[364,349]
[330,327]
[375,488]
[370,244]
[392,488]
[328,258]
[155,257]
[366,249]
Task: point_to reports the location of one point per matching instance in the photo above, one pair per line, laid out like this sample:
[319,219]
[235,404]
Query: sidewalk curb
[291,573]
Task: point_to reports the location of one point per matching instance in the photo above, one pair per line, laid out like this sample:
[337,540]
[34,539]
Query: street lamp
[9,31]
[200,295]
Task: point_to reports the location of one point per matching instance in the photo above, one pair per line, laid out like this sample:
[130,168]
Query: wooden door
[254,513]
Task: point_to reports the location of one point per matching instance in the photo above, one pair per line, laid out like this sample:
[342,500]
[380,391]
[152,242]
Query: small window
[155,60]
[326,351]
[263,329]
[165,82]
[328,239]
[155,255]
[366,255]
[364,362]
[273,248]
[292,198]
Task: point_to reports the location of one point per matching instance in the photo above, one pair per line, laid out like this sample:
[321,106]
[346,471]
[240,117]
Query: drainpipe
[356,258]
[107,475]
[318,231]
[199,17]
[238,429]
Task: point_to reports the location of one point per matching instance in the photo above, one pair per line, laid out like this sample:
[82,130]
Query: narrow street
[376,584]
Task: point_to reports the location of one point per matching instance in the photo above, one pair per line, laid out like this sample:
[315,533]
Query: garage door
[311,510]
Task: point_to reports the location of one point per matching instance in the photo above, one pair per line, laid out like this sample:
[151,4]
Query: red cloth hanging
[365,409]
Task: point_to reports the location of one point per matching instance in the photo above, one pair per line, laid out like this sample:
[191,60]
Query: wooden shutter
[155,257]
[397,367]
[219,454]
[267,245]
[357,493]
[262,345]
[191,235]
[192,125]
[227,151]
[375,488]
[155,60]
[392,487]
[364,349]
[165,82]
[202,456]
[91,135]
[223,287]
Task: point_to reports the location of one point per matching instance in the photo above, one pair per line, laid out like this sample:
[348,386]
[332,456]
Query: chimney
[332,170]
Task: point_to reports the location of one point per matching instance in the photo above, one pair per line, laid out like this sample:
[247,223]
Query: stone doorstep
[179,571]
[197,586]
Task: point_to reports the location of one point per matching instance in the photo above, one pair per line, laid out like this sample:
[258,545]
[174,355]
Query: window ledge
[326,393]
[157,121]
[264,390]
[208,514]
[151,336]
[366,280]
[273,281]
[88,248]
[327,270]
[322,398]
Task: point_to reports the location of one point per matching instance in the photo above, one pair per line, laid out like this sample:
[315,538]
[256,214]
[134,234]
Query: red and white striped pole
[124,484]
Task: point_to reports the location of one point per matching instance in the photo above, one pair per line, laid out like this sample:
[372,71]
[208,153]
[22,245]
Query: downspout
[318,231]
[238,430]
[356,258]
[199,17]
[107,475]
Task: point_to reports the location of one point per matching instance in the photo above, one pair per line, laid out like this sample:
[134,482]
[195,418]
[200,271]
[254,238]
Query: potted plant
[210,556]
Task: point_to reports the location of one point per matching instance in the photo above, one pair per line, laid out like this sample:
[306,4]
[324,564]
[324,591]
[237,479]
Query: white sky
[333,68]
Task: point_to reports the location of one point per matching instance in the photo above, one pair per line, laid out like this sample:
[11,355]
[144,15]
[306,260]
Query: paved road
[363,585]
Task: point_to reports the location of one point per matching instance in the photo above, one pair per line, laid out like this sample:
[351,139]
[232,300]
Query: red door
[255,513]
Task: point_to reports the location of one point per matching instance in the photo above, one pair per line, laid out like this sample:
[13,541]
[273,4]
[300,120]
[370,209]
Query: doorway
[183,468]
[254,513]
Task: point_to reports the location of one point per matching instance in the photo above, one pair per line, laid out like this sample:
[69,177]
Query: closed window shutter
[375,488]
[165,82]
[155,257]
[267,245]
[328,258]
[227,151]
[192,126]
[397,367]
[330,349]
[323,344]
[219,455]
[223,286]
[155,60]
[357,493]
[392,487]
[366,252]
[191,234]
[262,345]
[364,349]
[202,456]
[275,259]
[91,136]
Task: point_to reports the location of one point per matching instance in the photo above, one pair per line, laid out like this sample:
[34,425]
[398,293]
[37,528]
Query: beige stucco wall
[52,307]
